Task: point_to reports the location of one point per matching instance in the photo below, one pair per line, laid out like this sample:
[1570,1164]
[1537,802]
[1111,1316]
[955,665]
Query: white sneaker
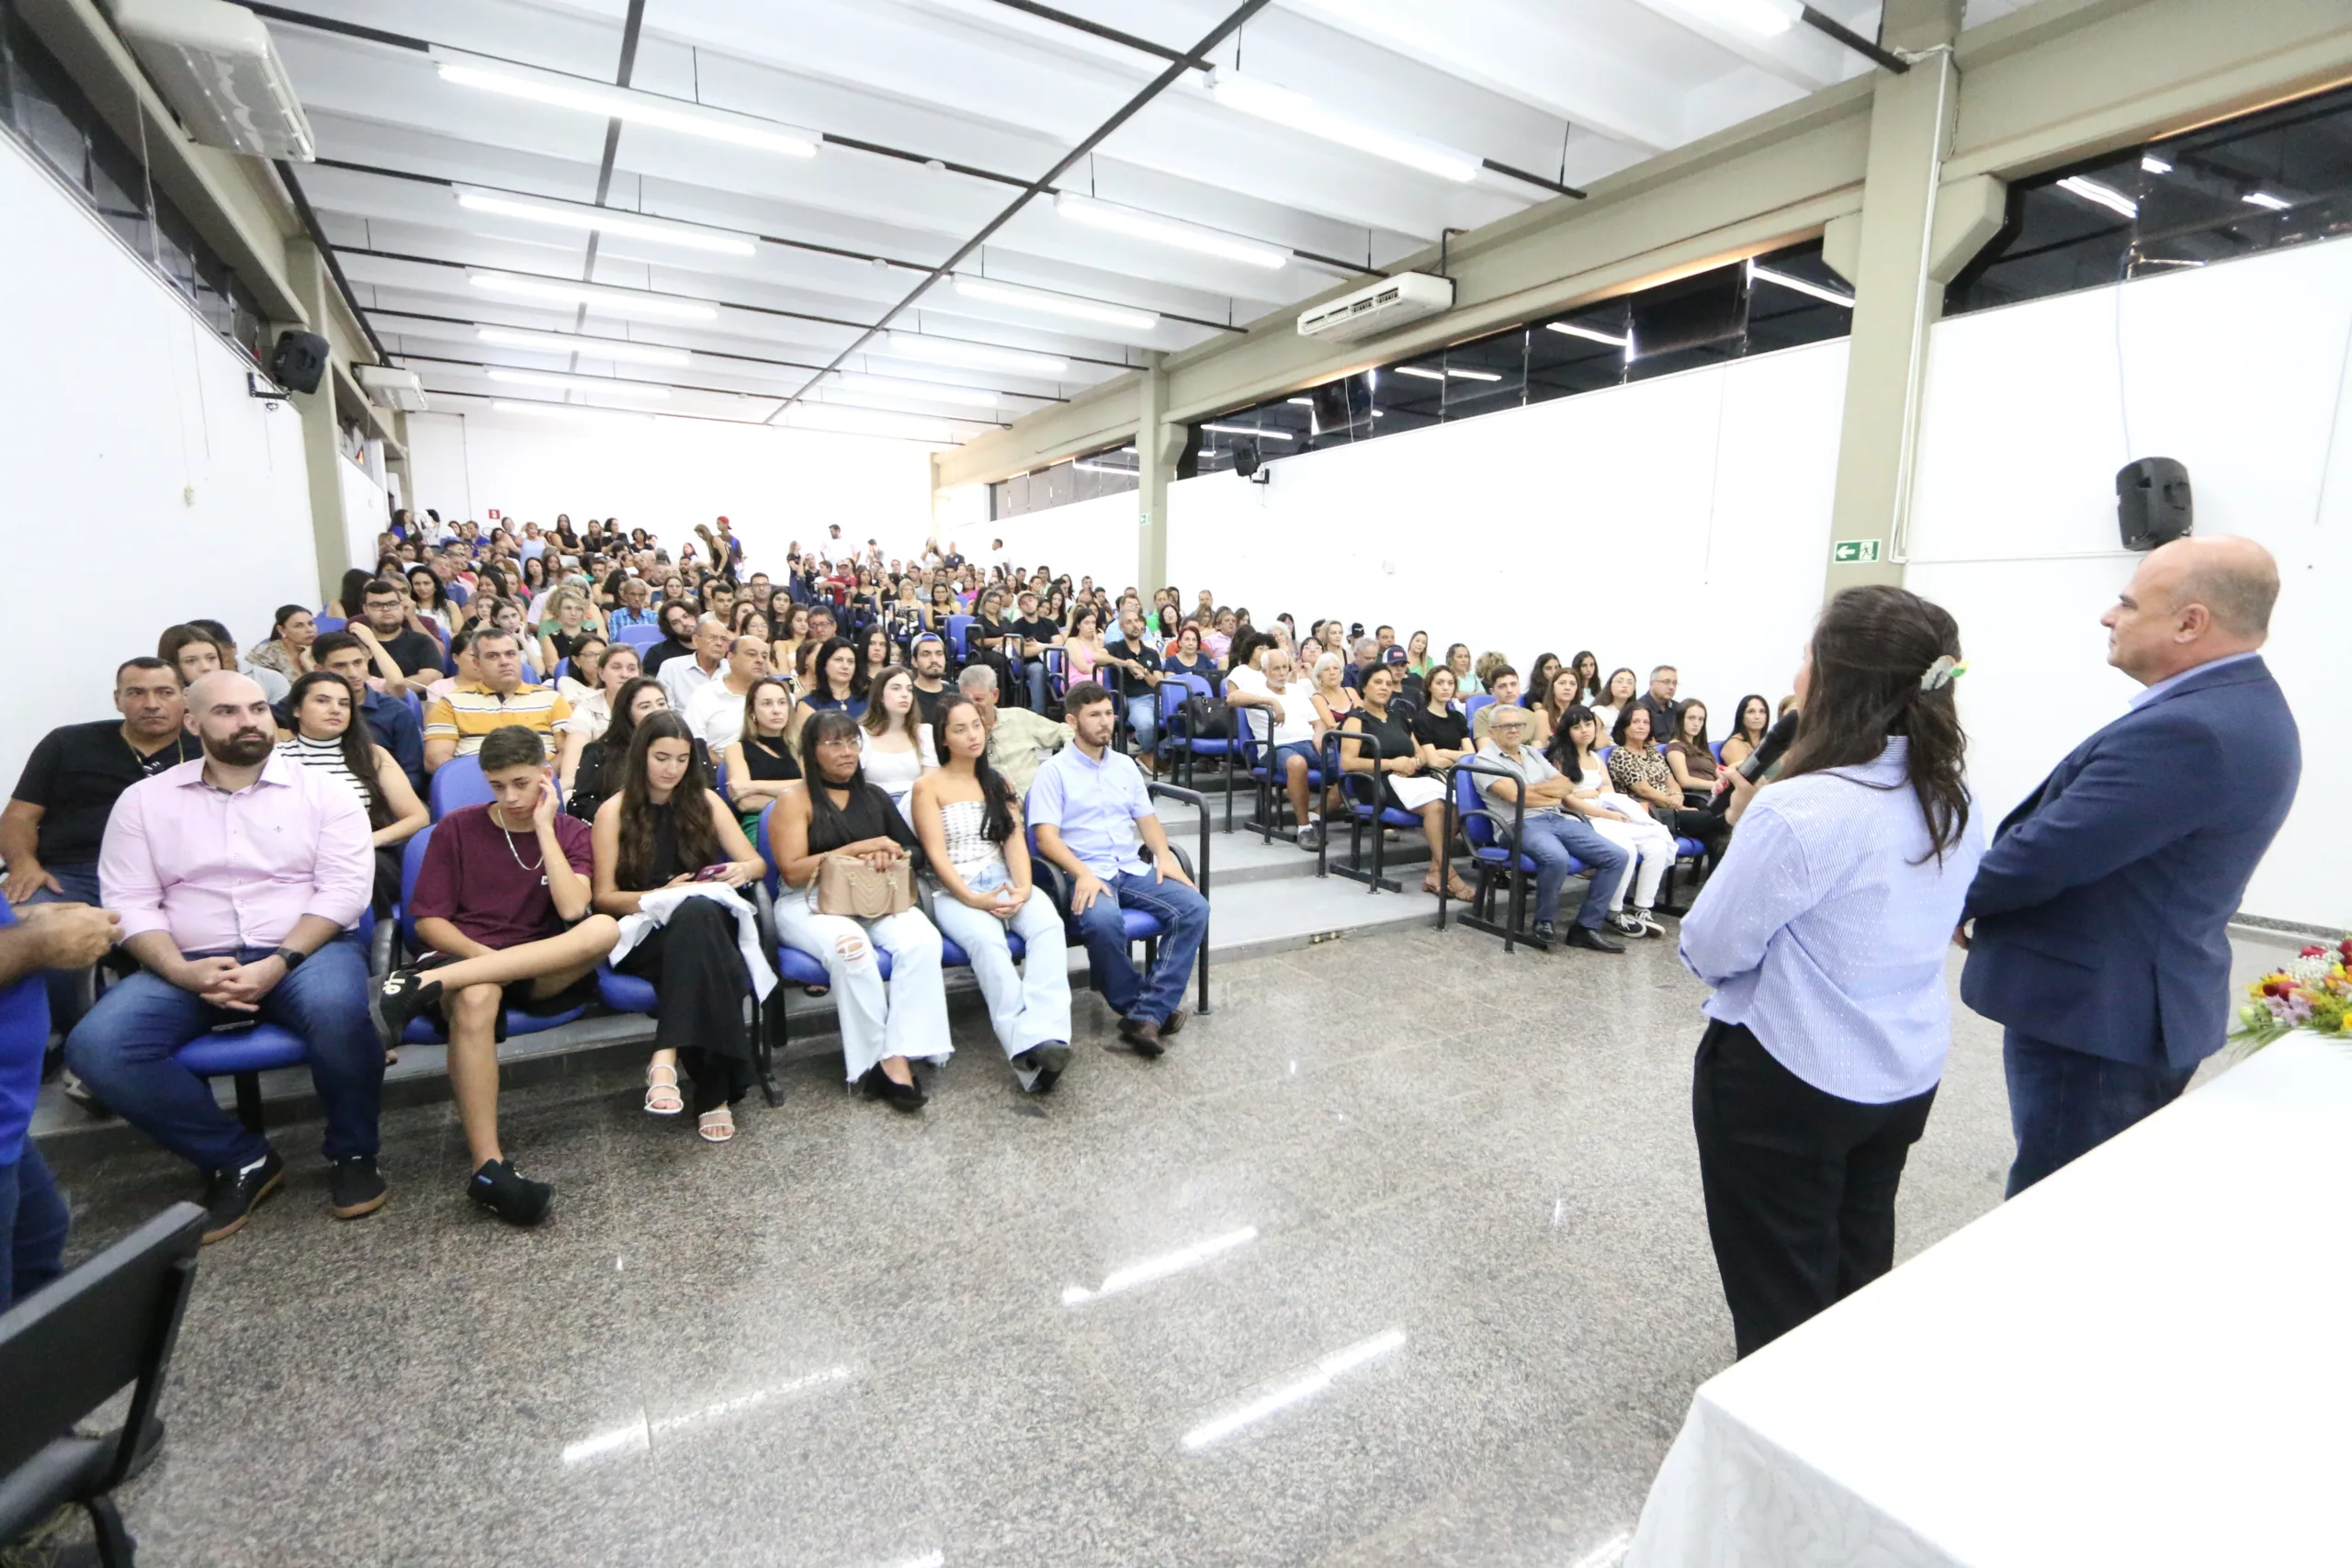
[1626,924]
[1648,923]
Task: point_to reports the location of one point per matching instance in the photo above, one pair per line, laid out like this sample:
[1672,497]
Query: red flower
[2314,951]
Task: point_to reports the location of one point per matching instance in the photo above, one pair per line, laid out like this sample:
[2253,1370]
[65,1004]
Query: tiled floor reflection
[1396,1259]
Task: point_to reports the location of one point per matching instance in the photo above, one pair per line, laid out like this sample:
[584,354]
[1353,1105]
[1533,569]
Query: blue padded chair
[563,668]
[1141,926]
[1056,672]
[459,783]
[420,1030]
[415,709]
[1365,803]
[326,623]
[243,1054]
[639,637]
[959,635]
[1470,706]
[1494,860]
[530,676]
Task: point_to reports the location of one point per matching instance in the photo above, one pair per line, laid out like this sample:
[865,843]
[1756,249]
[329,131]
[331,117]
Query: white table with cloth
[2146,1360]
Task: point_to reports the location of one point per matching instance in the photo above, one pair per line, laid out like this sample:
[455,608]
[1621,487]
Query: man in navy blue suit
[2102,910]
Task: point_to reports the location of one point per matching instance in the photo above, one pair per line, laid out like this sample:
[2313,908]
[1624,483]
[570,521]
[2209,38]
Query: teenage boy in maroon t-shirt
[501,904]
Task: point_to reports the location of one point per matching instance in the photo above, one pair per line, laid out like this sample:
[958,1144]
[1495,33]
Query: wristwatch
[291,957]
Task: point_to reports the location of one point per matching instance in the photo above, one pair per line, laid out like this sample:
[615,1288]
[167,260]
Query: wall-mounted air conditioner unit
[393,388]
[1378,307]
[214,64]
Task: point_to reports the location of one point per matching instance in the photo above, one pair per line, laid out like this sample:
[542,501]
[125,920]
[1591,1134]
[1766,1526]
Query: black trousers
[693,962]
[1800,1184]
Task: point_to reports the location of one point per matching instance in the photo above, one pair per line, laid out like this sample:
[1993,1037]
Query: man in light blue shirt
[1093,819]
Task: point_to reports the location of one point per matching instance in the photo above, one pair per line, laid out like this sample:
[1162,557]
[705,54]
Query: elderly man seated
[1553,830]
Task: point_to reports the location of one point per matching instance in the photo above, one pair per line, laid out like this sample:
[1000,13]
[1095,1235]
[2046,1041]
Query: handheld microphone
[1776,740]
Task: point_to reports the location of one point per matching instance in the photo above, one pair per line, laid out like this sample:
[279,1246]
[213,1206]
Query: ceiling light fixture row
[618,352]
[603,220]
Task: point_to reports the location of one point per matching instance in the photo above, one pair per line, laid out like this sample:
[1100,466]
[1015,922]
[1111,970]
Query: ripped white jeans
[904,1016]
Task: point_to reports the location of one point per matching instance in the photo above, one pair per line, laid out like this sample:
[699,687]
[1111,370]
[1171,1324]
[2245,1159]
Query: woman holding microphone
[1824,932]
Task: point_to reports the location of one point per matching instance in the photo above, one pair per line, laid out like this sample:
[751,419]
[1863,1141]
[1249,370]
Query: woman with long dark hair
[668,828]
[1824,933]
[326,737]
[1619,818]
[887,1026]
[1588,674]
[287,649]
[970,827]
[1751,720]
[596,770]
[1637,767]
[835,684]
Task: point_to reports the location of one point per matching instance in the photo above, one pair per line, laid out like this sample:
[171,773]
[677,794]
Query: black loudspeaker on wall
[298,361]
[2151,502]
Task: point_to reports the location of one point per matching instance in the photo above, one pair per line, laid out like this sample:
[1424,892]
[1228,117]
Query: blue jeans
[2064,1103]
[123,1050]
[1143,719]
[1548,839]
[1035,669]
[81,885]
[1185,921]
[33,1222]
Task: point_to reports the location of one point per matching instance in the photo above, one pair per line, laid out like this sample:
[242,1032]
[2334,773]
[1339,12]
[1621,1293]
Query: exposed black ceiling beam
[326,253]
[1867,48]
[625,384]
[1126,111]
[1096,29]
[1543,181]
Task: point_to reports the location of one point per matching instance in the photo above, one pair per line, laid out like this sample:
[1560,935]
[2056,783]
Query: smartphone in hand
[711,873]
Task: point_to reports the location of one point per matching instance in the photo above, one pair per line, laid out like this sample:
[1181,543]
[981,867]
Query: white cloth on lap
[655,909]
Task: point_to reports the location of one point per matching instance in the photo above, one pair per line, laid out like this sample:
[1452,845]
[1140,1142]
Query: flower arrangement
[2312,991]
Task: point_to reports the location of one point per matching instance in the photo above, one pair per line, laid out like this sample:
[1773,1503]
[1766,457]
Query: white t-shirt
[715,713]
[1297,725]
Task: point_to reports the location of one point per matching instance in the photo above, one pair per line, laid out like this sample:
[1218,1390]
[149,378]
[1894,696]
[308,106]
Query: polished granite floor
[1396,1258]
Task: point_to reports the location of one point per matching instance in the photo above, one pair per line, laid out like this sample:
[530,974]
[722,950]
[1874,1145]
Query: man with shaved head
[239,876]
[2102,910]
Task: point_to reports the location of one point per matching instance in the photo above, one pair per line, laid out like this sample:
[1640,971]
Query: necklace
[508,834]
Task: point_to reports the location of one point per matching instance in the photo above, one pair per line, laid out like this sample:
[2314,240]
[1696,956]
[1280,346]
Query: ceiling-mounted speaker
[1245,458]
[2151,502]
[298,362]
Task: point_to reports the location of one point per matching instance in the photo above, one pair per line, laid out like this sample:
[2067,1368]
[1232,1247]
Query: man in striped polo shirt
[456,724]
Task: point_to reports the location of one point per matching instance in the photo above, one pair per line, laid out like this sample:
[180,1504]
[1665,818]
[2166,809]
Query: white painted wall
[129,447]
[667,475]
[2237,370]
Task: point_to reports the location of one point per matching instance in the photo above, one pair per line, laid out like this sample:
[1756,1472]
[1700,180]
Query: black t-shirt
[661,652]
[1040,631]
[76,773]
[414,651]
[1121,681]
[927,703]
[1447,731]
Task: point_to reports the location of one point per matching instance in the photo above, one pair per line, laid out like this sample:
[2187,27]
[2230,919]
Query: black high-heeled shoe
[879,1085]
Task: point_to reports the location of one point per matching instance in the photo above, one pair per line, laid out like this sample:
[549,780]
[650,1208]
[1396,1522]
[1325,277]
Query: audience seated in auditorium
[396,650]
[885,1026]
[597,772]
[1659,701]
[1616,697]
[970,825]
[1502,681]
[1620,819]
[501,908]
[678,634]
[1638,768]
[669,860]
[274,686]
[1287,725]
[1439,728]
[1020,740]
[389,719]
[192,653]
[1130,667]
[1554,831]
[225,936]
[897,743]
[1392,765]
[455,724]
[761,766]
[1094,820]
[682,678]
[597,674]
[928,658]
[1466,683]
[323,736]
[1754,718]
[288,648]
[1186,656]
[715,713]
[1688,755]
[1333,699]
[567,629]
[835,684]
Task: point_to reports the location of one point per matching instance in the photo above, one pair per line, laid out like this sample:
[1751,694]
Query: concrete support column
[306,270]
[1154,467]
[1895,299]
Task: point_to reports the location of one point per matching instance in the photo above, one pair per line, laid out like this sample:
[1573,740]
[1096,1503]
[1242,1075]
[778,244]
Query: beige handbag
[847,885]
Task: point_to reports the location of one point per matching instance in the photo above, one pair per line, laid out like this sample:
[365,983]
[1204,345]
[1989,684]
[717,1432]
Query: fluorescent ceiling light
[636,108]
[625,302]
[1591,334]
[2099,194]
[1300,403]
[1416,371]
[909,387]
[1269,434]
[2154,164]
[1299,112]
[620,225]
[1461,375]
[1802,285]
[1314,1380]
[1167,231]
[578,383]
[986,357]
[2264,200]
[594,348]
[563,410]
[1052,304]
[1758,17]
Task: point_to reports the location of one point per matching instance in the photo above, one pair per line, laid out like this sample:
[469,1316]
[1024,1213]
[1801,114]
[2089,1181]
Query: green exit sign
[1848,550]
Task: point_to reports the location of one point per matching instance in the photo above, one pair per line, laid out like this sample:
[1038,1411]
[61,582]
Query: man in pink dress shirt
[239,877]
